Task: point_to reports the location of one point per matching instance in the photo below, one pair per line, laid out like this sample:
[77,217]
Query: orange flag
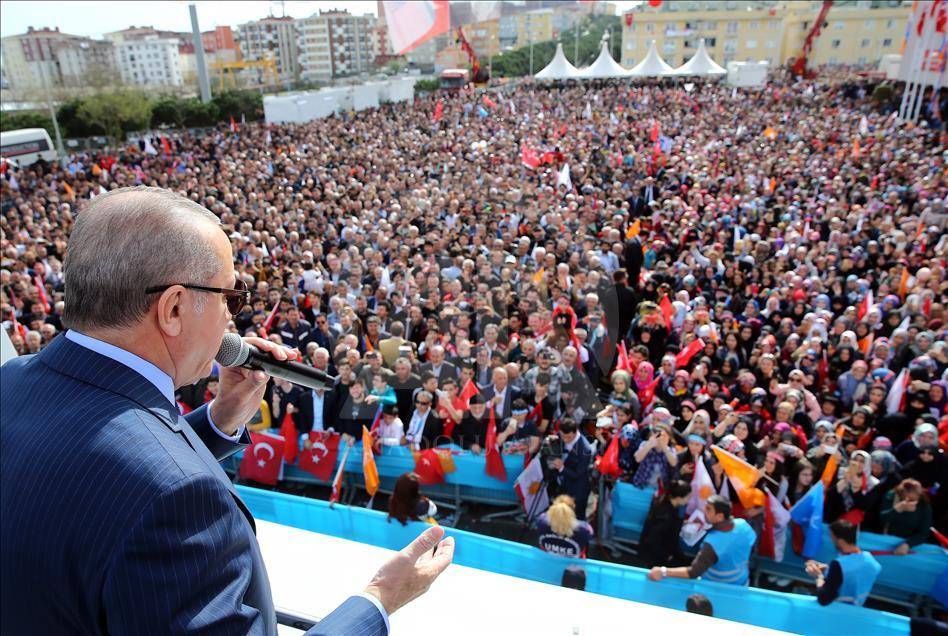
[857,150]
[634,229]
[369,469]
[538,277]
[903,282]
[743,477]
[829,472]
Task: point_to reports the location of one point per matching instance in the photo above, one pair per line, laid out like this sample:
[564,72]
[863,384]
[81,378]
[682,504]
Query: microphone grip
[290,371]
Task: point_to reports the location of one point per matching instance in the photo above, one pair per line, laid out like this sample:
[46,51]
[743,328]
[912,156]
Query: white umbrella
[700,64]
[652,66]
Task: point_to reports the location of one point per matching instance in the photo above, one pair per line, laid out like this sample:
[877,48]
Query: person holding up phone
[656,458]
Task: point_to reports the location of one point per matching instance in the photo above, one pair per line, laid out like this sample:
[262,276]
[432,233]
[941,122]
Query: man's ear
[169,311]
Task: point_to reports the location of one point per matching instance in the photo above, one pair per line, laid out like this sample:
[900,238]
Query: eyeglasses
[422,403]
[236,297]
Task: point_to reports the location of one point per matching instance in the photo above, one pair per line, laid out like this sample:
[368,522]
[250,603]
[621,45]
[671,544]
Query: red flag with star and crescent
[493,462]
[263,459]
[428,467]
[319,459]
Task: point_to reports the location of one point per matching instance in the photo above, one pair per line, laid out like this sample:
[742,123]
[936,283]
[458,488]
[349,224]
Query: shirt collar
[146,369]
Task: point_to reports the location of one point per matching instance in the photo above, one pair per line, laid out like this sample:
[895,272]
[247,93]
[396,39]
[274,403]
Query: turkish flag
[469,391]
[609,462]
[686,354]
[439,109]
[428,468]
[263,459]
[529,157]
[629,17]
[488,102]
[291,447]
[319,459]
[494,463]
[413,23]
[668,312]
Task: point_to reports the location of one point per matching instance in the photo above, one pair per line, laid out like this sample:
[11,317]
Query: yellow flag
[743,477]
[369,469]
[539,275]
[634,229]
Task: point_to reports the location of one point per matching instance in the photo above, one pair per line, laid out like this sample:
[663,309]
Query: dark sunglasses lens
[236,302]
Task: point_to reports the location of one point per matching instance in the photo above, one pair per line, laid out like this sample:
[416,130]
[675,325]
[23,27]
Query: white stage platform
[312,573]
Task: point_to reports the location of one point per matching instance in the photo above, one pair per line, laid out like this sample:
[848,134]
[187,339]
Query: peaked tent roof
[652,66]
[558,68]
[701,64]
[604,66]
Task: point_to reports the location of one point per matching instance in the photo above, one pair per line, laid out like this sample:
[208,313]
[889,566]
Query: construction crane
[227,71]
[799,67]
[478,74]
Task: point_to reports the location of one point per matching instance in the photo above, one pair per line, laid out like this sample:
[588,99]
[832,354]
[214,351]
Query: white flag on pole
[149,148]
[588,111]
[563,177]
[529,488]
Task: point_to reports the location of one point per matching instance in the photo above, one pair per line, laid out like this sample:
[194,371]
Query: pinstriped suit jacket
[115,516]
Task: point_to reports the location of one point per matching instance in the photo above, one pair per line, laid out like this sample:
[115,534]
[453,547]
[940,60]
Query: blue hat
[697,438]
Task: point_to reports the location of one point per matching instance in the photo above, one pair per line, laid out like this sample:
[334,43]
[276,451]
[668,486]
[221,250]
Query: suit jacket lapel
[93,368]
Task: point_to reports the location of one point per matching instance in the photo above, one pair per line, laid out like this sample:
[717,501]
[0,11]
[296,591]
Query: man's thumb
[424,542]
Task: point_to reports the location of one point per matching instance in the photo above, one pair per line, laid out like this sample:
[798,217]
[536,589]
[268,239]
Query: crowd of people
[674,266]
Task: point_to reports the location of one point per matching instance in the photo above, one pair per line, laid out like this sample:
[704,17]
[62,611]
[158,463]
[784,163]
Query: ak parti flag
[829,471]
[263,459]
[634,228]
[320,458]
[493,462]
[369,470]
[291,446]
[742,476]
[428,467]
[529,488]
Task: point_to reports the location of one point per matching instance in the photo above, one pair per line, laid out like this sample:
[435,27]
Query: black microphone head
[233,352]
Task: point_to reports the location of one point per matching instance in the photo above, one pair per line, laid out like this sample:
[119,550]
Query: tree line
[114,114]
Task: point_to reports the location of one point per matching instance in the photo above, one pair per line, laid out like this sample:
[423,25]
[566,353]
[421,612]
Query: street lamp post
[60,149]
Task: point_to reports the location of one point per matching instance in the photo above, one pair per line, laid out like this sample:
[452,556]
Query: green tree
[235,104]
[427,85]
[30,119]
[117,113]
[71,124]
[167,111]
[197,114]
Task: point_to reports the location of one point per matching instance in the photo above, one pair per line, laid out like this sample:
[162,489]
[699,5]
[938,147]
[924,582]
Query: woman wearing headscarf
[852,495]
[924,435]
[885,468]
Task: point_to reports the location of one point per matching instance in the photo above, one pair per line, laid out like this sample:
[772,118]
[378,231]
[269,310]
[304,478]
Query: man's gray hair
[126,241]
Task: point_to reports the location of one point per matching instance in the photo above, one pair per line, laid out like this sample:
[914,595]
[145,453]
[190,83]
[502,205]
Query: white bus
[27,146]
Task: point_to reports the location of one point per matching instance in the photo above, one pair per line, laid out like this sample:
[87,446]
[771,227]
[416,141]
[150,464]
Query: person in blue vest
[726,550]
[850,576]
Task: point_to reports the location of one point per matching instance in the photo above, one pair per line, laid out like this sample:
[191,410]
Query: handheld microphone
[234,352]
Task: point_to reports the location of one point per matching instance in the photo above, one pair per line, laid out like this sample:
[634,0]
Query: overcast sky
[95,18]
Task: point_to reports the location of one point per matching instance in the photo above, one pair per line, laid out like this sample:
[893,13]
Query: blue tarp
[776,610]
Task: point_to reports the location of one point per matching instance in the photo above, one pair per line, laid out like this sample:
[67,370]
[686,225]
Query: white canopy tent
[604,66]
[559,67]
[701,64]
[652,66]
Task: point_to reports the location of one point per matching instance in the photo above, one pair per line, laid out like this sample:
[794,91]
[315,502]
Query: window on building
[835,43]
[773,25]
[730,46]
[732,27]
[869,24]
[771,44]
[630,45]
[832,60]
[864,43]
[650,27]
[751,44]
[754,24]
[839,26]
[863,60]
[669,46]
[887,42]
[889,24]
[710,42]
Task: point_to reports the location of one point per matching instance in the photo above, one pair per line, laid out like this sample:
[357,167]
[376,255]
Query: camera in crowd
[551,448]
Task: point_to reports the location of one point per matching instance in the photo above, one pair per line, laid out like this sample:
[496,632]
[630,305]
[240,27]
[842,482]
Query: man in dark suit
[158,540]
[572,471]
[437,366]
[315,409]
[650,192]
[499,394]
